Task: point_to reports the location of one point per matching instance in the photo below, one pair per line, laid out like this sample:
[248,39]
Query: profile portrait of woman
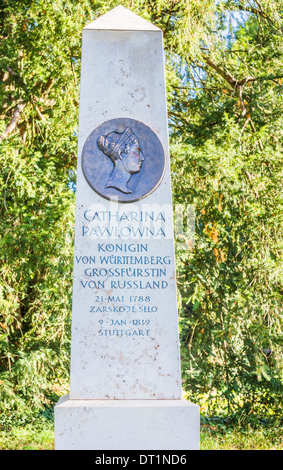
[124,151]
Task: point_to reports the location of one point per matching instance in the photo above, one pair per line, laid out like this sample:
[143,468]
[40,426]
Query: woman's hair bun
[101,142]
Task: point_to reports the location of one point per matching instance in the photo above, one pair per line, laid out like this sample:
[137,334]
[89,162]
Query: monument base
[126,425]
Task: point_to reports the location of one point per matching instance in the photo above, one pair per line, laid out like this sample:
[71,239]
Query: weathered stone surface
[125,322]
[125,359]
[126,425]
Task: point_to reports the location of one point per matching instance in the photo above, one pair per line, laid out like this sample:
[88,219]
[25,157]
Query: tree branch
[237,86]
[14,121]
[226,75]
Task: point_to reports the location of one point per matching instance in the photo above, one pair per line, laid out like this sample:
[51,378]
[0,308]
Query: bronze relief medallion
[123,159]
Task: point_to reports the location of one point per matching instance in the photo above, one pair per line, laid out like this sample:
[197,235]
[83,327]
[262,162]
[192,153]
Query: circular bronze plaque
[123,159]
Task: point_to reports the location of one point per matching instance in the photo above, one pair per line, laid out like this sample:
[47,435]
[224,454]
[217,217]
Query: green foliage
[36,435]
[215,437]
[40,44]
[225,116]
[228,163]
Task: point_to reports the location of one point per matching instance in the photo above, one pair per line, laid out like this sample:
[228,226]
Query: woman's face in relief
[132,160]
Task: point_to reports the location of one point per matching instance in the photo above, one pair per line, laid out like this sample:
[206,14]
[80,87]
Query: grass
[241,439]
[32,437]
[28,437]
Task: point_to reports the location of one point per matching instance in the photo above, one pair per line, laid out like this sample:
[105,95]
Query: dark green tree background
[224,89]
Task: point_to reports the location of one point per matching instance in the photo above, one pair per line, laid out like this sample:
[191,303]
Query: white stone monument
[125,386]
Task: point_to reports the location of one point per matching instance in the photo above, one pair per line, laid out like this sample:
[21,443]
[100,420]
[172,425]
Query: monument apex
[121,19]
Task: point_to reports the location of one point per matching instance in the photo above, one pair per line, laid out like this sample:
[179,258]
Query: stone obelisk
[125,385]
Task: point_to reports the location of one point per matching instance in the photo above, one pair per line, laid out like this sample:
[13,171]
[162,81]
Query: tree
[39,66]
[227,160]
